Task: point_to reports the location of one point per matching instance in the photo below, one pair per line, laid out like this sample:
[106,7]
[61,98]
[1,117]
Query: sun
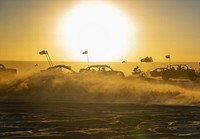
[97,27]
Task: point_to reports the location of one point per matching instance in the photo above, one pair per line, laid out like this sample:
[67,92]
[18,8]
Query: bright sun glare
[96,27]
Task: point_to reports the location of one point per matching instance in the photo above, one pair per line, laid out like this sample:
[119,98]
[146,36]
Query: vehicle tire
[193,77]
[121,75]
[165,77]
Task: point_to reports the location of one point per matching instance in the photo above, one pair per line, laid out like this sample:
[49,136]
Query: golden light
[96,27]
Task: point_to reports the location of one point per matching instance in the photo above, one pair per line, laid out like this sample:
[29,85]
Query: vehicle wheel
[193,78]
[122,75]
[165,77]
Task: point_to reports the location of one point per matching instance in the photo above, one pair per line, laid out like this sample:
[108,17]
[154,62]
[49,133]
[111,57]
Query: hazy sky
[162,27]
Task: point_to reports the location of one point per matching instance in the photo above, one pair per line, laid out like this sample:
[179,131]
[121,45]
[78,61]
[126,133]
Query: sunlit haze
[110,30]
[98,28]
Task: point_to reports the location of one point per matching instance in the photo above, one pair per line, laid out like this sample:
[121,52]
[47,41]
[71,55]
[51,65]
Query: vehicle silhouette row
[170,72]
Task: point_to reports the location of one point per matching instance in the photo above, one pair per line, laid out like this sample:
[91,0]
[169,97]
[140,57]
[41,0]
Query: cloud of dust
[94,88]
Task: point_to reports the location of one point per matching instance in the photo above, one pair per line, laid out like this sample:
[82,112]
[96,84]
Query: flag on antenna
[44,52]
[167,56]
[85,52]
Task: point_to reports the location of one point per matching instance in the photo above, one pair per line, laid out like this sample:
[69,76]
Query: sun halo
[97,27]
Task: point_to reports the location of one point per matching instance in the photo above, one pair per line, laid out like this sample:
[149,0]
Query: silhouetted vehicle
[7,71]
[157,72]
[101,69]
[59,68]
[179,72]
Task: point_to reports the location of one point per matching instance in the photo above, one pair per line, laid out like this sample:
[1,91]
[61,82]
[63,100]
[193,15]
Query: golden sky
[159,28]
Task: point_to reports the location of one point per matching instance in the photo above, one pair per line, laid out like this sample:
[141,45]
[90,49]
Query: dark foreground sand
[97,120]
